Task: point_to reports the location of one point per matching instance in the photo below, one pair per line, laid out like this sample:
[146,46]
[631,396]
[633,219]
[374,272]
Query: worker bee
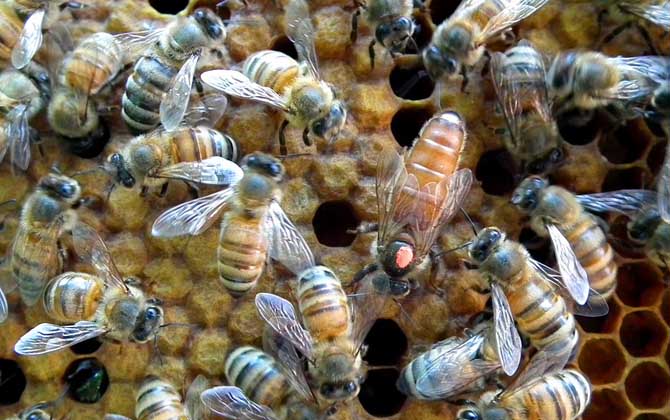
[35,255]
[519,80]
[159,87]
[581,248]
[158,399]
[72,297]
[460,40]
[275,79]
[274,392]
[39,411]
[254,228]
[124,314]
[10,30]
[393,23]
[627,13]
[418,194]
[151,159]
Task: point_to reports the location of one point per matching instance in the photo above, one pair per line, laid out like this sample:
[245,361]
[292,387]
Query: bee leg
[144,191]
[364,228]
[163,190]
[371,53]
[305,137]
[364,272]
[354,25]
[282,138]
[71,5]
[435,268]
[62,253]
[609,37]
[466,80]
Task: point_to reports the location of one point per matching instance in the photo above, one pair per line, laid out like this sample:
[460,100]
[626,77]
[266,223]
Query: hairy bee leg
[163,190]
[371,53]
[609,37]
[364,272]
[282,138]
[353,36]
[466,80]
[305,137]
[364,228]
[144,191]
[435,267]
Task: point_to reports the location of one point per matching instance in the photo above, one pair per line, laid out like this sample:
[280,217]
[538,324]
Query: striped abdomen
[34,261]
[523,68]
[593,252]
[257,375]
[158,400]
[323,304]
[191,144]
[92,64]
[10,29]
[560,395]
[145,87]
[242,252]
[484,12]
[272,69]
[72,297]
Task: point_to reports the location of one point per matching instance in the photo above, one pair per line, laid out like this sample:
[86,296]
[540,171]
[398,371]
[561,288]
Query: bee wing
[367,304]
[236,84]
[393,208]
[290,361]
[621,201]
[47,338]
[301,31]
[30,39]
[652,67]
[136,44]
[505,92]
[194,406]
[211,171]
[206,109]
[286,244]
[174,103]
[574,276]
[280,315]
[115,417]
[231,403]
[514,12]
[662,187]
[192,217]
[18,133]
[508,341]
[658,14]
[4,307]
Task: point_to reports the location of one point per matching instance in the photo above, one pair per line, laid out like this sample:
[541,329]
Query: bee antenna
[469,219]
[461,246]
[109,191]
[55,168]
[176,324]
[89,171]
[158,350]
[293,155]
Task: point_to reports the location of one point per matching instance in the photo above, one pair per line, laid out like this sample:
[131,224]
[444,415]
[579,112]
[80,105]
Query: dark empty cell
[407,123]
[379,395]
[538,247]
[621,179]
[605,324]
[283,44]
[655,128]
[602,360]
[442,9]
[87,380]
[665,307]
[171,7]
[386,343]
[651,416]
[91,146]
[495,170]
[422,33]
[331,222]
[624,145]
[656,157]
[12,382]
[648,386]
[87,347]
[411,83]
[642,334]
[639,284]
[578,128]
[607,404]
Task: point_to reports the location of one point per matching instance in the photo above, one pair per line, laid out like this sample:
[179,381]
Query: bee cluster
[469,255]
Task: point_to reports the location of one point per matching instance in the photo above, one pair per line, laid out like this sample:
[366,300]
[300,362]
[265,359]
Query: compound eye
[199,14]
[468,415]
[327,389]
[67,190]
[350,387]
[152,314]
[275,169]
[451,65]
[556,155]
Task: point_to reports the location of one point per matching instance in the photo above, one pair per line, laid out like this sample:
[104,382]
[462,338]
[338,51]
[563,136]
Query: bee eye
[350,387]
[67,190]
[199,14]
[450,65]
[327,389]
[275,169]
[152,314]
[468,415]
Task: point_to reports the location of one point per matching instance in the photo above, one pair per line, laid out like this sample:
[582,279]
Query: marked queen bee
[461,39]
[277,80]
[123,314]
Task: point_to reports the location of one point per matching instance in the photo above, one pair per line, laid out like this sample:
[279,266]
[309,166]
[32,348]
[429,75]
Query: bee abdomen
[158,400]
[92,64]
[257,375]
[323,303]
[271,69]
[242,253]
[10,30]
[198,143]
[72,297]
[31,275]
[412,372]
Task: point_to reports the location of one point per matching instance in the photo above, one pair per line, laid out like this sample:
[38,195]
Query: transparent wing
[136,44]
[465,8]
[211,171]
[574,276]
[30,39]
[290,361]
[507,98]
[658,14]
[287,244]
[508,342]
[236,84]
[367,304]
[280,315]
[115,417]
[174,104]
[192,217]
[515,12]
[651,66]
[18,133]
[622,201]
[47,338]
[4,307]
[301,31]
[662,187]
[391,177]
[194,406]
[231,403]
[206,109]
[91,248]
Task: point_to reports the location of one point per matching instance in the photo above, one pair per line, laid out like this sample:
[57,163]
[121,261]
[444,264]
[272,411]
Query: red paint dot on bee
[404,256]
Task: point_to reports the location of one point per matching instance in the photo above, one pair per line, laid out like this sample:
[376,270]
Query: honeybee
[275,79]
[276,393]
[158,89]
[460,40]
[39,411]
[72,297]
[627,13]
[151,159]
[124,314]
[10,31]
[392,20]
[35,255]
[23,95]
[581,248]
[254,228]
[417,194]
[519,80]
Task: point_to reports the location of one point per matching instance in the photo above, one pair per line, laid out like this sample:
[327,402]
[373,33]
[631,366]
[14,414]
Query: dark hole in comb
[411,83]
[12,382]
[639,284]
[422,33]
[626,144]
[621,179]
[407,123]
[379,395]
[87,380]
[650,416]
[607,404]
[648,386]
[495,170]
[91,146]
[538,247]
[171,7]
[283,44]
[602,360]
[331,222]
[87,346]
[442,9]
[655,128]
[577,127]
[386,343]
[604,324]
[643,334]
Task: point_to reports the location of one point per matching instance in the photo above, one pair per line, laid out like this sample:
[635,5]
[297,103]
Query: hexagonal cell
[407,123]
[648,386]
[602,360]
[538,247]
[379,395]
[656,157]
[496,170]
[650,416]
[285,45]
[12,382]
[442,9]
[642,333]
[171,7]
[618,238]
[578,128]
[625,144]
[605,324]
[639,284]
[412,83]
[609,404]
[386,343]
[87,380]
[621,179]
[665,307]
[87,346]
[331,222]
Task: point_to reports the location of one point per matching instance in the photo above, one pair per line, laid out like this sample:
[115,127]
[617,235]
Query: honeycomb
[626,354]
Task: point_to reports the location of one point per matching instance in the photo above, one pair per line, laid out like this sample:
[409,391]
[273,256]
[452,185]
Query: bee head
[642,227]
[525,195]
[438,62]
[470,413]
[61,186]
[329,126]
[339,379]
[485,242]
[210,22]
[394,34]
[148,323]
[120,170]
[398,258]
[264,164]
[385,285]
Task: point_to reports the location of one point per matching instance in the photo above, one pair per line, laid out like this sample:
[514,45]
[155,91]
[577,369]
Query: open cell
[386,343]
[656,157]
[607,404]
[332,221]
[87,380]
[407,123]
[170,7]
[285,45]
[639,284]
[495,170]
[626,144]
[604,324]
[578,127]
[642,334]
[621,179]
[440,10]
[602,360]
[412,83]
[648,386]
[12,382]
[650,416]
[379,395]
